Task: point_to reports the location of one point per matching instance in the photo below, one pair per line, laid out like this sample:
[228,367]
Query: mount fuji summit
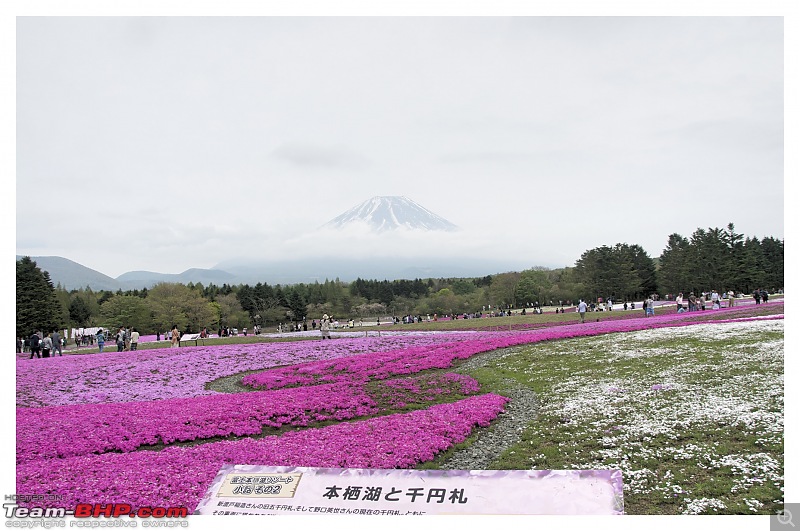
[383,213]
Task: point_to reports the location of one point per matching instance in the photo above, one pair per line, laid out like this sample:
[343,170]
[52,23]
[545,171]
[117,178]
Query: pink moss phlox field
[364,367]
[159,396]
[360,368]
[67,431]
[179,476]
[157,374]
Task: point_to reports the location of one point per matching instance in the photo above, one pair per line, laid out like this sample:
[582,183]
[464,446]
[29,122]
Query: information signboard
[263,490]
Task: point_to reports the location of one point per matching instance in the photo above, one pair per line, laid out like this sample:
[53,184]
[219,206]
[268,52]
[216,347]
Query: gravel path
[506,428]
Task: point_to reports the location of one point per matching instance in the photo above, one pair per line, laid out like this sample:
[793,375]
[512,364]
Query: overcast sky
[168,143]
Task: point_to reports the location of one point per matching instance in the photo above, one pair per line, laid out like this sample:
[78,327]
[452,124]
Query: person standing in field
[582,310]
[101,339]
[679,301]
[176,336]
[56,338]
[731,297]
[325,326]
[120,339]
[651,310]
[47,346]
[134,339]
[714,298]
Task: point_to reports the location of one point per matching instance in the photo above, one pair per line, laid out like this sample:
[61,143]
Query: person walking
[650,305]
[101,339]
[581,309]
[35,345]
[731,298]
[55,337]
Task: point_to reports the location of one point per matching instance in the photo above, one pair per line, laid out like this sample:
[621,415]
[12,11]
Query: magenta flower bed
[179,476]
[159,374]
[179,373]
[361,368]
[68,431]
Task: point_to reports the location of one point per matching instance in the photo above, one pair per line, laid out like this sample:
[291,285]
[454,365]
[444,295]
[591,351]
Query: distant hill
[139,279]
[72,275]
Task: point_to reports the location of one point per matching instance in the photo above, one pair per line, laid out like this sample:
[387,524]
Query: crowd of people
[127,339]
[41,345]
[712,300]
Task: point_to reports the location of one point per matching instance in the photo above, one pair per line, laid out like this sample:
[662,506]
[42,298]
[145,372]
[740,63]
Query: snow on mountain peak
[383,213]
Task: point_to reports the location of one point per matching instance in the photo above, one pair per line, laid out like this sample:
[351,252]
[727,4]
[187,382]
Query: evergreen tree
[79,312]
[620,272]
[773,263]
[753,263]
[672,274]
[645,270]
[37,305]
[296,304]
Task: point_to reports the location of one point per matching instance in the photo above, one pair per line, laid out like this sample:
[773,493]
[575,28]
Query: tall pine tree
[38,307]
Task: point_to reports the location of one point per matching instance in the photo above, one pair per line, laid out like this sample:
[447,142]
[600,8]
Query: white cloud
[192,140]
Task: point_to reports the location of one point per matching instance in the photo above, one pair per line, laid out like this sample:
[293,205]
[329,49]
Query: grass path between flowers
[693,416]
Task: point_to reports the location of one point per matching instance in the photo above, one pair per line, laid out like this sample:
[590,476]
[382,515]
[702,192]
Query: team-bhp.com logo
[48,517]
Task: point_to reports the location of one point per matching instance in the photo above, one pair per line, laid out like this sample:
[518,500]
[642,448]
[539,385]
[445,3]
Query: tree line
[718,259]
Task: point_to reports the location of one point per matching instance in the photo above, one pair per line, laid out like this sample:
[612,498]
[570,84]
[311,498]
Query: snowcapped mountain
[383,213]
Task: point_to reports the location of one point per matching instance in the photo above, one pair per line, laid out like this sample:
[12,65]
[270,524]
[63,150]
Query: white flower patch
[749,470]
[753,504]
[702,505]
[633,408]
[638,481]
